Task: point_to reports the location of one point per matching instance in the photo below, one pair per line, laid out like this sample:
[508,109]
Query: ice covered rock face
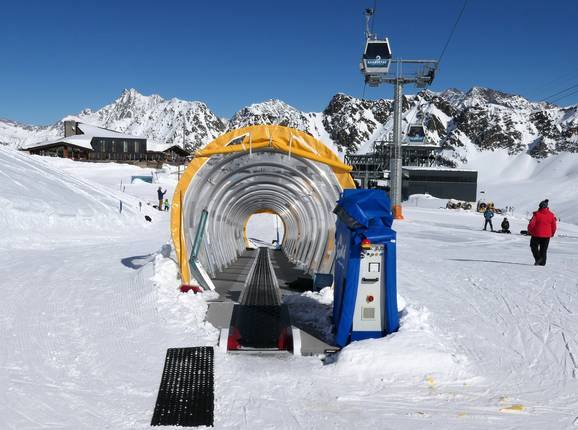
[350,121]
[481,118]
[271,112]
[171,121]
[486,118]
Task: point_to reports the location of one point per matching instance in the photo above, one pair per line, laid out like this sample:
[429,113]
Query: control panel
[369,303]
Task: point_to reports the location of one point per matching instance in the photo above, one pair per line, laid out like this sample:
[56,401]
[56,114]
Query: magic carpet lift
[365,293]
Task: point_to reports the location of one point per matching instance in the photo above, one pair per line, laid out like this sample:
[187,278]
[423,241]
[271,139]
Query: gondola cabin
[376,58]
[416,133]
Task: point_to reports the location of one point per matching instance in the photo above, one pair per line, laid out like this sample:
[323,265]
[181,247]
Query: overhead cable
[453,31]
[564,96]
[560,92]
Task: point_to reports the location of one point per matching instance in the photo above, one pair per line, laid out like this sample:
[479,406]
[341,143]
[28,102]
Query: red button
[369,299]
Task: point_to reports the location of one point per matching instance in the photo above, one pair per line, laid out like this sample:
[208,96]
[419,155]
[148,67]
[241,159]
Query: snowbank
[426,201]
[414,354]
[184,311]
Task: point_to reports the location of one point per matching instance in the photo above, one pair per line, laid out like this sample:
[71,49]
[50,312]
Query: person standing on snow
[161,196]
[167,204]
[488,215]
[542,227]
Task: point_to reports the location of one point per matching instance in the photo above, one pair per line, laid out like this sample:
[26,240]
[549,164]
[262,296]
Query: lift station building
[422,172]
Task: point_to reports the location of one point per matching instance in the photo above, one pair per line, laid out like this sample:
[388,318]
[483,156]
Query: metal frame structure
[231,183]
[422,75]
[375,165]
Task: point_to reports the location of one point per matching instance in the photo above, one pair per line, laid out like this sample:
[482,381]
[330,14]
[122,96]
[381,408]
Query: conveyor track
[260,322]
[261,287]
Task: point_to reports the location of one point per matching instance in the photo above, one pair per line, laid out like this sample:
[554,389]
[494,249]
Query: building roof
[94,131]
[83,140]
[163,147]
[80,140]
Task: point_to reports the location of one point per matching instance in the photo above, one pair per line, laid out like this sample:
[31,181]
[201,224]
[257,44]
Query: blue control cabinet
[365,293]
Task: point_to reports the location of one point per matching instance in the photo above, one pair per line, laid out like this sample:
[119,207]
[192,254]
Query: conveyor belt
[261,287]
[260,322]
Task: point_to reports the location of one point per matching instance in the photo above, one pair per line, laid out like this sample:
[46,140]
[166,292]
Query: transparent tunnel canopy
[233,186]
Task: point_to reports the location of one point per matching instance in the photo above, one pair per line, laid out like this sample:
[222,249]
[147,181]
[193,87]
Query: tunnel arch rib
[255,169]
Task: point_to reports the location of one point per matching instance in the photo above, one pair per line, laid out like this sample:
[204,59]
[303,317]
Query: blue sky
[58,57]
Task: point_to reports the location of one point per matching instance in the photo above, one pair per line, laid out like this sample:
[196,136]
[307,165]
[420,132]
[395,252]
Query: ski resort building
[422,171]
[90,143]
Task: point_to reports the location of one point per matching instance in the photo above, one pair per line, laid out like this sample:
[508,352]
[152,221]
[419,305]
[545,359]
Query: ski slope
[90,305]
[522,181]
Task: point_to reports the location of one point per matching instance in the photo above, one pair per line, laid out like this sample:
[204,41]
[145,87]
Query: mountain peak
[481,118]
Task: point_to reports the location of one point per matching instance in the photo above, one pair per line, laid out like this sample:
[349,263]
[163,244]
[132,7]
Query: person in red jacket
[542,227]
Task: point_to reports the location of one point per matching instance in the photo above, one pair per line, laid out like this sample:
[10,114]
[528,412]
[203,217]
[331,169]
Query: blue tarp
[362,214]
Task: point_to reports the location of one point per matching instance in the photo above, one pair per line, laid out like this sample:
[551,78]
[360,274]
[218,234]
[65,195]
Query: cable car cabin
[416,133]
[376,58]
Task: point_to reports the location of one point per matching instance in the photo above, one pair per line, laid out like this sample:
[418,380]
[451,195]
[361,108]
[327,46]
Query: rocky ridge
[458,121]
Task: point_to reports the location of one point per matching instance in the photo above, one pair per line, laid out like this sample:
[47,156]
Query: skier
[488,215]
[167,204]
[161,196]
[505,226]
[542,227]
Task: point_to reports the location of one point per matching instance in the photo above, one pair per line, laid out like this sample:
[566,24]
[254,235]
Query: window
[136,146]
[377,48]
[113,146]
[124,146]
[102,145]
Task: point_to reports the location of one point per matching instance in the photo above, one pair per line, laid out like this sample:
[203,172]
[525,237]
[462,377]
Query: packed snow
[90,303]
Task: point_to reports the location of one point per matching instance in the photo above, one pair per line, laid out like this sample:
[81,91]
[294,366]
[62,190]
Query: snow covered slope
[40,200]
[522,181]
[90,304]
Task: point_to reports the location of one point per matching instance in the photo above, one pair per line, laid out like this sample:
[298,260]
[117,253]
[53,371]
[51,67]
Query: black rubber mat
[186,393]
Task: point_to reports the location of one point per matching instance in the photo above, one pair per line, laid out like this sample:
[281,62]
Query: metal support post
[395,175]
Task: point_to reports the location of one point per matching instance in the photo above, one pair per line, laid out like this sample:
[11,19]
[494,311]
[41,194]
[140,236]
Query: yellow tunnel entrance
[252,170]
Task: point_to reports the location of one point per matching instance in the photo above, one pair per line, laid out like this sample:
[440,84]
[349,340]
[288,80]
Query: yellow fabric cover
[284,139]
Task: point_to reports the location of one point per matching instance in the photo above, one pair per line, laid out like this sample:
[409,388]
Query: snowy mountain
[460,122]
[480,119]
[163,121]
